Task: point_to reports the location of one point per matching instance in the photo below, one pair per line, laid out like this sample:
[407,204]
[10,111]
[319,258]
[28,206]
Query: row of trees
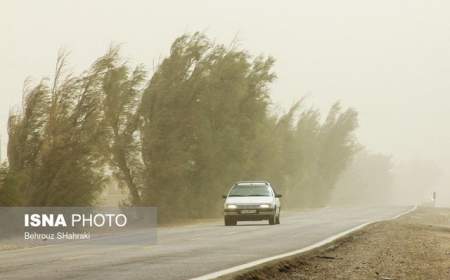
[176,141]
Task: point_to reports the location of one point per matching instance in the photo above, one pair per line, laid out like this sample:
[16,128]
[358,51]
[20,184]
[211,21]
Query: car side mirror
[278,195]
[224,196]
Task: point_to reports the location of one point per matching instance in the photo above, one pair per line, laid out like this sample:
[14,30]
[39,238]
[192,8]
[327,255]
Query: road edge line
[330,239]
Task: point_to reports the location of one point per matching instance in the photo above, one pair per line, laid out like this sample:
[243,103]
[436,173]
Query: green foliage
[122,91]
[9,194]
[202,111]
[54,141]
[178,142]
[207,125]
[305,156]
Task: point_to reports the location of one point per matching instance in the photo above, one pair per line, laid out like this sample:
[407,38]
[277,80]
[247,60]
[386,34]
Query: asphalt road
[187,251]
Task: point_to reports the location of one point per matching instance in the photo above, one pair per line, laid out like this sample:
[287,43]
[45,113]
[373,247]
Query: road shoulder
[414,246]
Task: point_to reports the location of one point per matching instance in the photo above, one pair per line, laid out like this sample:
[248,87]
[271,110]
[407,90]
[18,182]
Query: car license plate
[248,211]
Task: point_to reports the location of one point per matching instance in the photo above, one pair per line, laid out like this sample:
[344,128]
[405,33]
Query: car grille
[247,206]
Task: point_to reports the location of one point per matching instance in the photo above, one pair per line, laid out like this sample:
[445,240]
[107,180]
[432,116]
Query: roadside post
[434,199]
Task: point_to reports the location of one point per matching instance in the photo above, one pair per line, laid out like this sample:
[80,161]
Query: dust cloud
[389,60]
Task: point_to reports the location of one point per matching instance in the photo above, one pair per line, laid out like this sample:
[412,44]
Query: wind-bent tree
[122,89]
[338,146]
[202,113]
[53,148]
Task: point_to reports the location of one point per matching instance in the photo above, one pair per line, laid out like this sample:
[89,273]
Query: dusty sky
[389,59]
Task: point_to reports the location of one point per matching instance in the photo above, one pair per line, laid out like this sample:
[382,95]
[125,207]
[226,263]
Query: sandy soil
[415,246]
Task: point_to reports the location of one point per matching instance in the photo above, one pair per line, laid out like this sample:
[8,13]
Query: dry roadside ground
[414,246]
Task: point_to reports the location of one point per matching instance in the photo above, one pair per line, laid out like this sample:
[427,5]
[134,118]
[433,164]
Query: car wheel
[278,216]
[272,220]
[230,221]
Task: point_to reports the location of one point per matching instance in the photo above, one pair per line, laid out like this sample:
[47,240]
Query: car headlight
[231,206]
[265,206]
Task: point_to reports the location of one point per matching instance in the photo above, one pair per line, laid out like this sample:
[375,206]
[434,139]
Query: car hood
[249,199]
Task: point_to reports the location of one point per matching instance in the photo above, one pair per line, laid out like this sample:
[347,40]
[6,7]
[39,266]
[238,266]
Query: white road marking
[220,273]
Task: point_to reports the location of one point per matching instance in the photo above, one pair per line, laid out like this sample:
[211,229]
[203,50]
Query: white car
[252,201]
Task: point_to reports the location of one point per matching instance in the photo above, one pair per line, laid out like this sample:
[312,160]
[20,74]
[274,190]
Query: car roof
[253,183]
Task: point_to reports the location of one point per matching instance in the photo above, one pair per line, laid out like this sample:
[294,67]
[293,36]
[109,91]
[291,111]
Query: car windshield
[250,190]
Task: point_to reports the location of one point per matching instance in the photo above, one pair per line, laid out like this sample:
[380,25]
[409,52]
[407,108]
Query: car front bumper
[249,214]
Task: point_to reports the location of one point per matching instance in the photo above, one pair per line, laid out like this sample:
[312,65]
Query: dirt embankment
[415,246]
